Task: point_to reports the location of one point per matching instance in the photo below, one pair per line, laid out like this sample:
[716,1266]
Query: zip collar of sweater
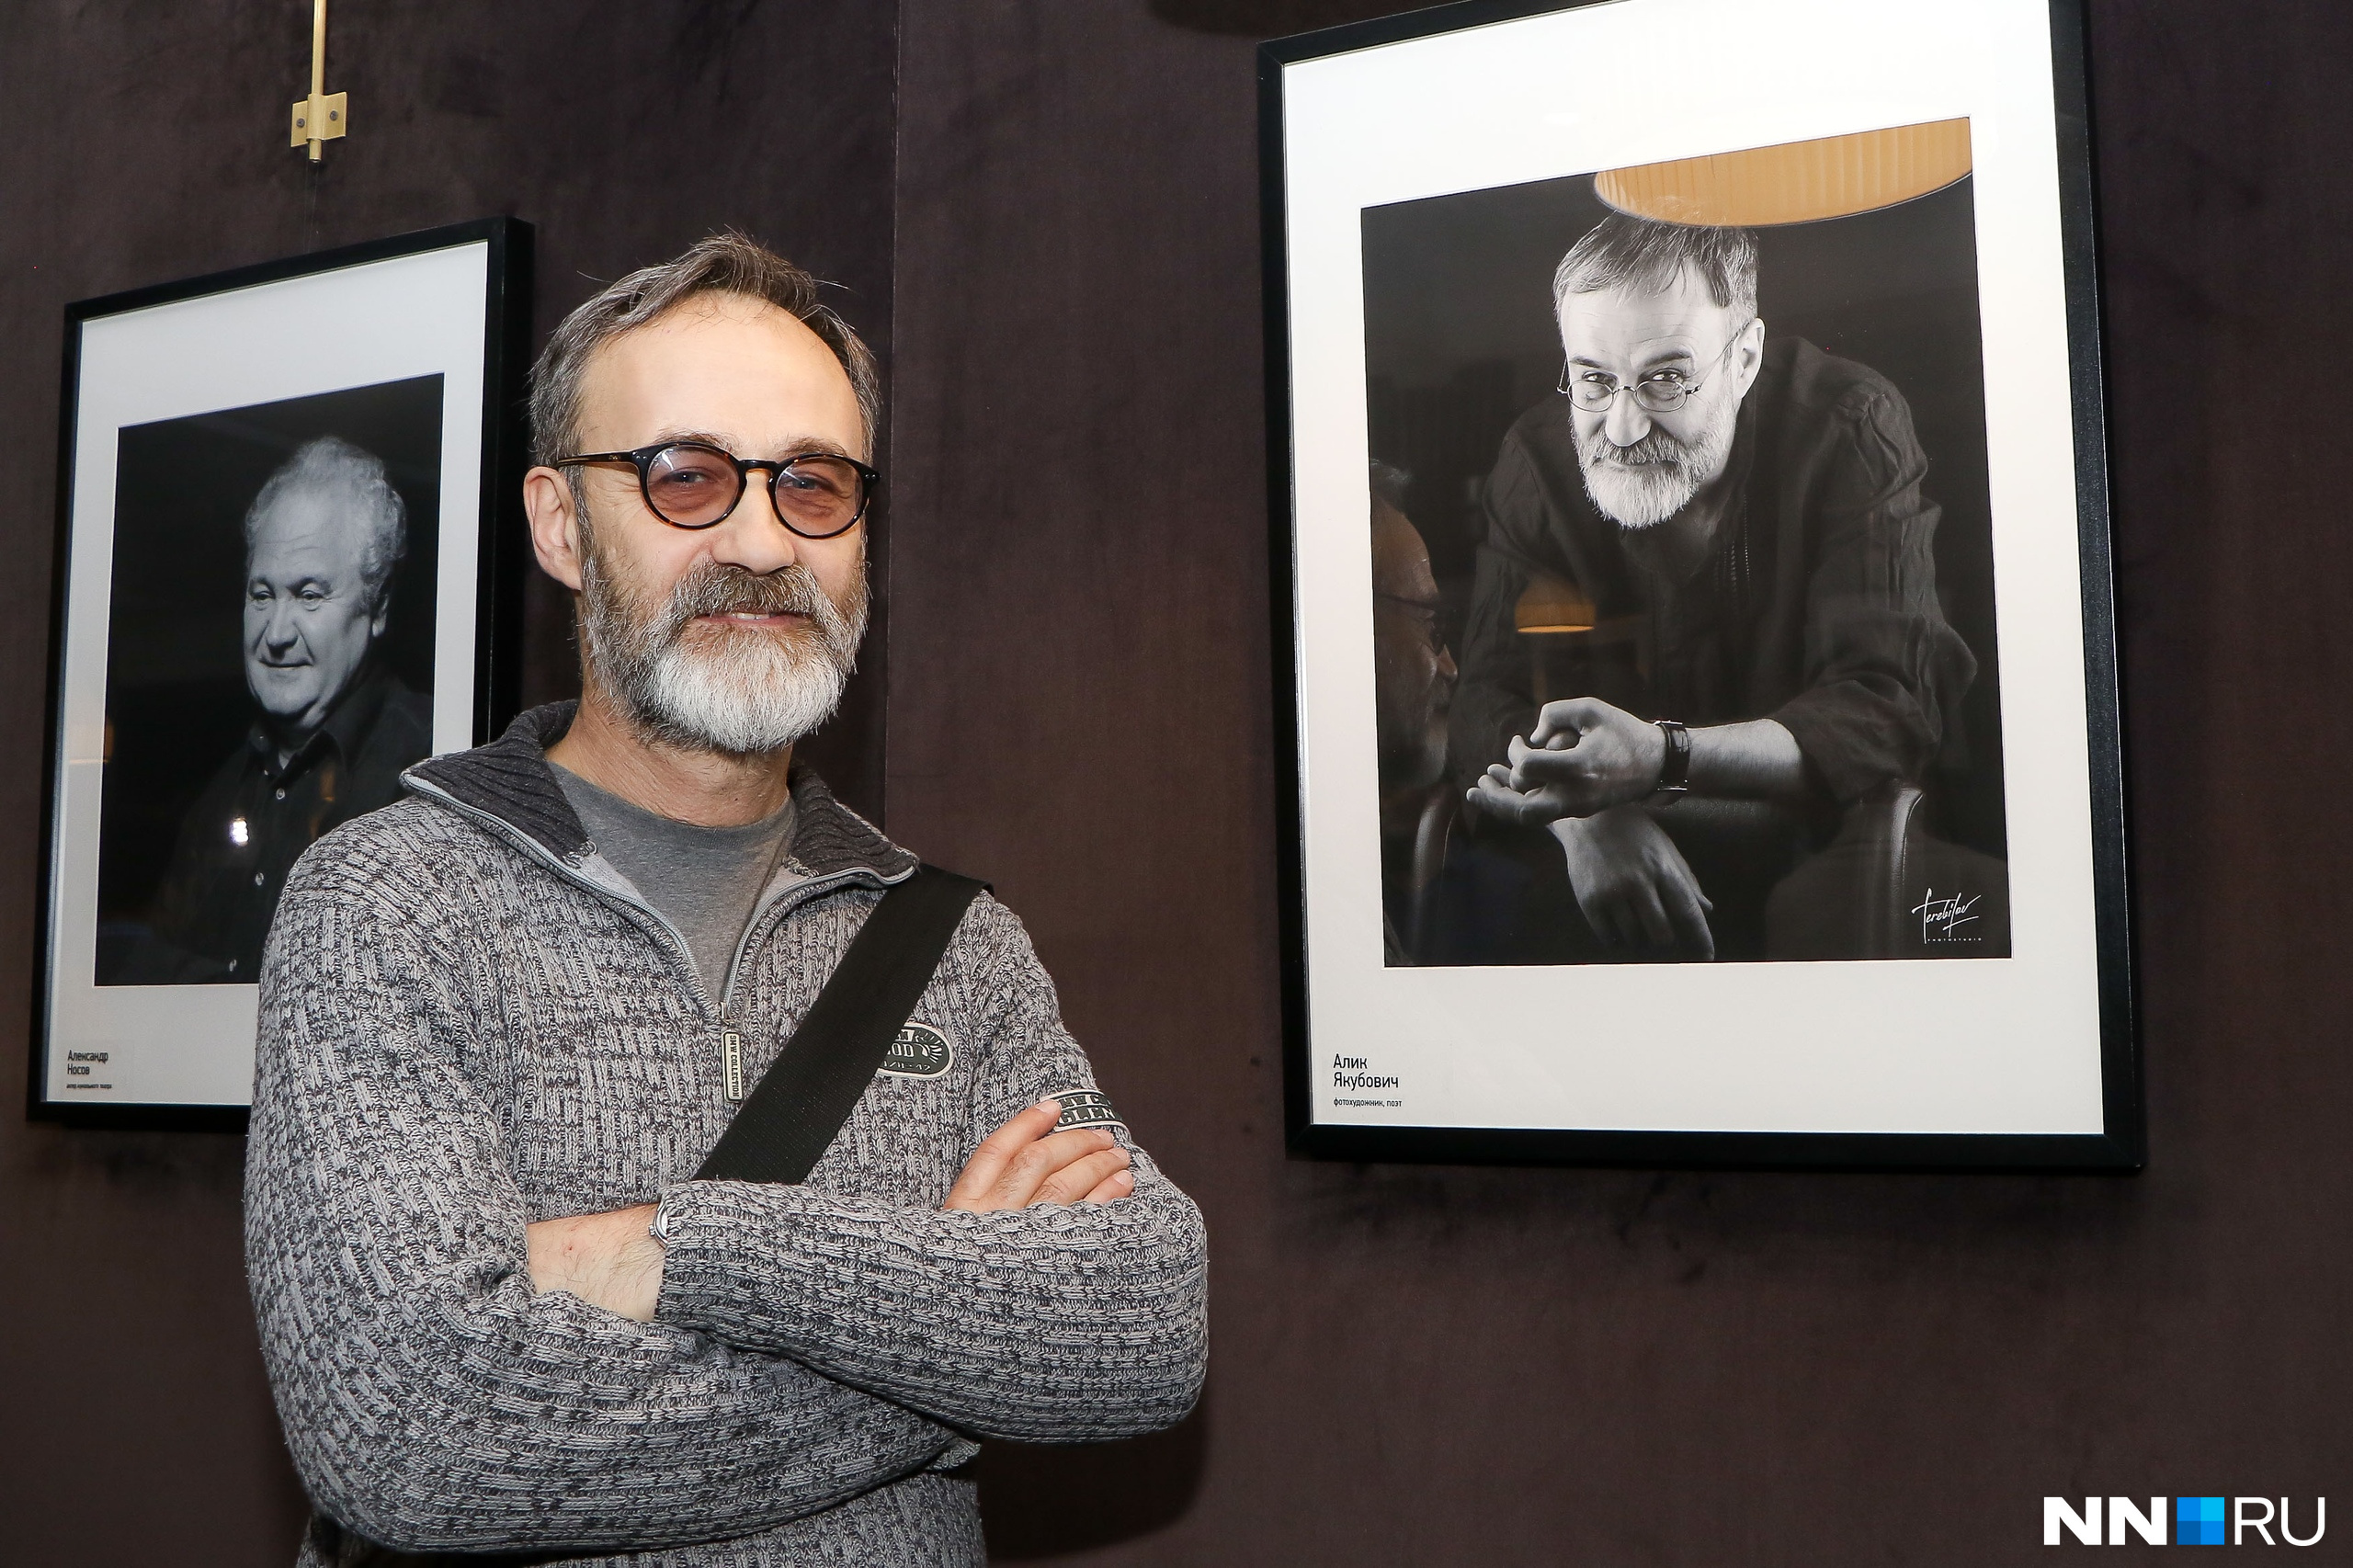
[509,782]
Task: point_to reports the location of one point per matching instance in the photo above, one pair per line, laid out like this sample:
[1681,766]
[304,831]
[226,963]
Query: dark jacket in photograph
[257,817]
[1816,604]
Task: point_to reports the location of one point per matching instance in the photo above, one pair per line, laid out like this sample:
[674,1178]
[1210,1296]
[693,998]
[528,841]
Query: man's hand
[1026,1161]
[1633,884]
[1585,757]
[606,1260]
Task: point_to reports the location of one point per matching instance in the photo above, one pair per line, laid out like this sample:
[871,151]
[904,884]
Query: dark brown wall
[1461,1366]
[1441,1365]
[145,142]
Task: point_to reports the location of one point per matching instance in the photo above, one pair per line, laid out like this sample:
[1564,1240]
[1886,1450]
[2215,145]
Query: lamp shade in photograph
[1796,182]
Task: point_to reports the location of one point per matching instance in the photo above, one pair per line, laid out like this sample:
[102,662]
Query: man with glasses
[1746,516]
[504,1021]
[1413,685]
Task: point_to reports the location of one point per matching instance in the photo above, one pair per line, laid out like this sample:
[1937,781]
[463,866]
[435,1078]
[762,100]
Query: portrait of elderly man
[332,727]
[1749,510]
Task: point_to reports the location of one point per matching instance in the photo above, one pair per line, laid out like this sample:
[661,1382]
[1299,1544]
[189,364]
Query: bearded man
[504,1021]
[1747,514]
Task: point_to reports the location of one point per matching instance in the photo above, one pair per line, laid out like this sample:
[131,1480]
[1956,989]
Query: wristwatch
[1675,767]
[659,1229]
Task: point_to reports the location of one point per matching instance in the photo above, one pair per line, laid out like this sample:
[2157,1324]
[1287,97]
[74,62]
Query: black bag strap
[791,1115]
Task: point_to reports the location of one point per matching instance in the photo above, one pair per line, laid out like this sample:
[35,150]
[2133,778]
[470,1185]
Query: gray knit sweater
[470,1022]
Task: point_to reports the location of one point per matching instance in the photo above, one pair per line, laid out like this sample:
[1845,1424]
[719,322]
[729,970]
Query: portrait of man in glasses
[1413,682]
[332,726]
[1744,513]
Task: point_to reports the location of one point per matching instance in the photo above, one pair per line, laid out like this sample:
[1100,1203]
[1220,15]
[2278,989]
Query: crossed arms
[805,1346]
[611,1260]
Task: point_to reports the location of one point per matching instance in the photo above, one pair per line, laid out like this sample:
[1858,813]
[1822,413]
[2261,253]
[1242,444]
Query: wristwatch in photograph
[1675,767]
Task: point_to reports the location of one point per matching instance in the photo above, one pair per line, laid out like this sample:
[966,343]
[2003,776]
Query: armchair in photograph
[1887,888]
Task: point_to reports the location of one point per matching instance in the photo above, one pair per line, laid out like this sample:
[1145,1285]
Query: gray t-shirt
[704,880]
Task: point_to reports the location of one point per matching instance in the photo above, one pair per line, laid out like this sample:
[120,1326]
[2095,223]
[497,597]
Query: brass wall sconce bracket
[322,115]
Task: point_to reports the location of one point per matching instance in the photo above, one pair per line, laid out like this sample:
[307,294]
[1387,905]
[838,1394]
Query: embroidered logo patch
[1085,1107]
[919,1052]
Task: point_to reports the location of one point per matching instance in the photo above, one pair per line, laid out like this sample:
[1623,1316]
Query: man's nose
[753,537]
[1627,423]
[278,631]
[1446,663]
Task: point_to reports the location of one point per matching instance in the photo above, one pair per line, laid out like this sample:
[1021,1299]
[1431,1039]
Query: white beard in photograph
[1642,485]
[741,690]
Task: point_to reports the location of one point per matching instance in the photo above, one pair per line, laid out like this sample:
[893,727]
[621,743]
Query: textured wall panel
[147,140]
[1468,1366]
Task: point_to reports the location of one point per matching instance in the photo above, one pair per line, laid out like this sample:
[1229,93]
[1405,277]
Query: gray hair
[1622,251]
[724,263]
[333,466]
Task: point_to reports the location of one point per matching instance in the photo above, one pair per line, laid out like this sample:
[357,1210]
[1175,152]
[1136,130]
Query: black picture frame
[2117,1146]
[497,546]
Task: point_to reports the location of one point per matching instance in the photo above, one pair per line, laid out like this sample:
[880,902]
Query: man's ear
[555,525]
[1751,357]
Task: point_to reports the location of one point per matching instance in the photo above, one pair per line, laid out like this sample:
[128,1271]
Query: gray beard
[1642,485]
[740,691]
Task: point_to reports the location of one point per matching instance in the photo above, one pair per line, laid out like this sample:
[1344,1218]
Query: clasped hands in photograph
[1585,757]
[611,1260]
[1584,774]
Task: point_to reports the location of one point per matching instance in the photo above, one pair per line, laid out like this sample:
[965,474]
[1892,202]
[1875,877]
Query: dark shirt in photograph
[1815,603]
[257,814]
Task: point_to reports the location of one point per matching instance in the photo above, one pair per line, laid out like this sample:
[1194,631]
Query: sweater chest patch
[920,1050]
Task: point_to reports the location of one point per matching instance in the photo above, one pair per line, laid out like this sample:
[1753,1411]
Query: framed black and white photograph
[1692,582]
[286,572]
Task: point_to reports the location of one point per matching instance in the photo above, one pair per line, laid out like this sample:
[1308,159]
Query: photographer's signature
[1942,918]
